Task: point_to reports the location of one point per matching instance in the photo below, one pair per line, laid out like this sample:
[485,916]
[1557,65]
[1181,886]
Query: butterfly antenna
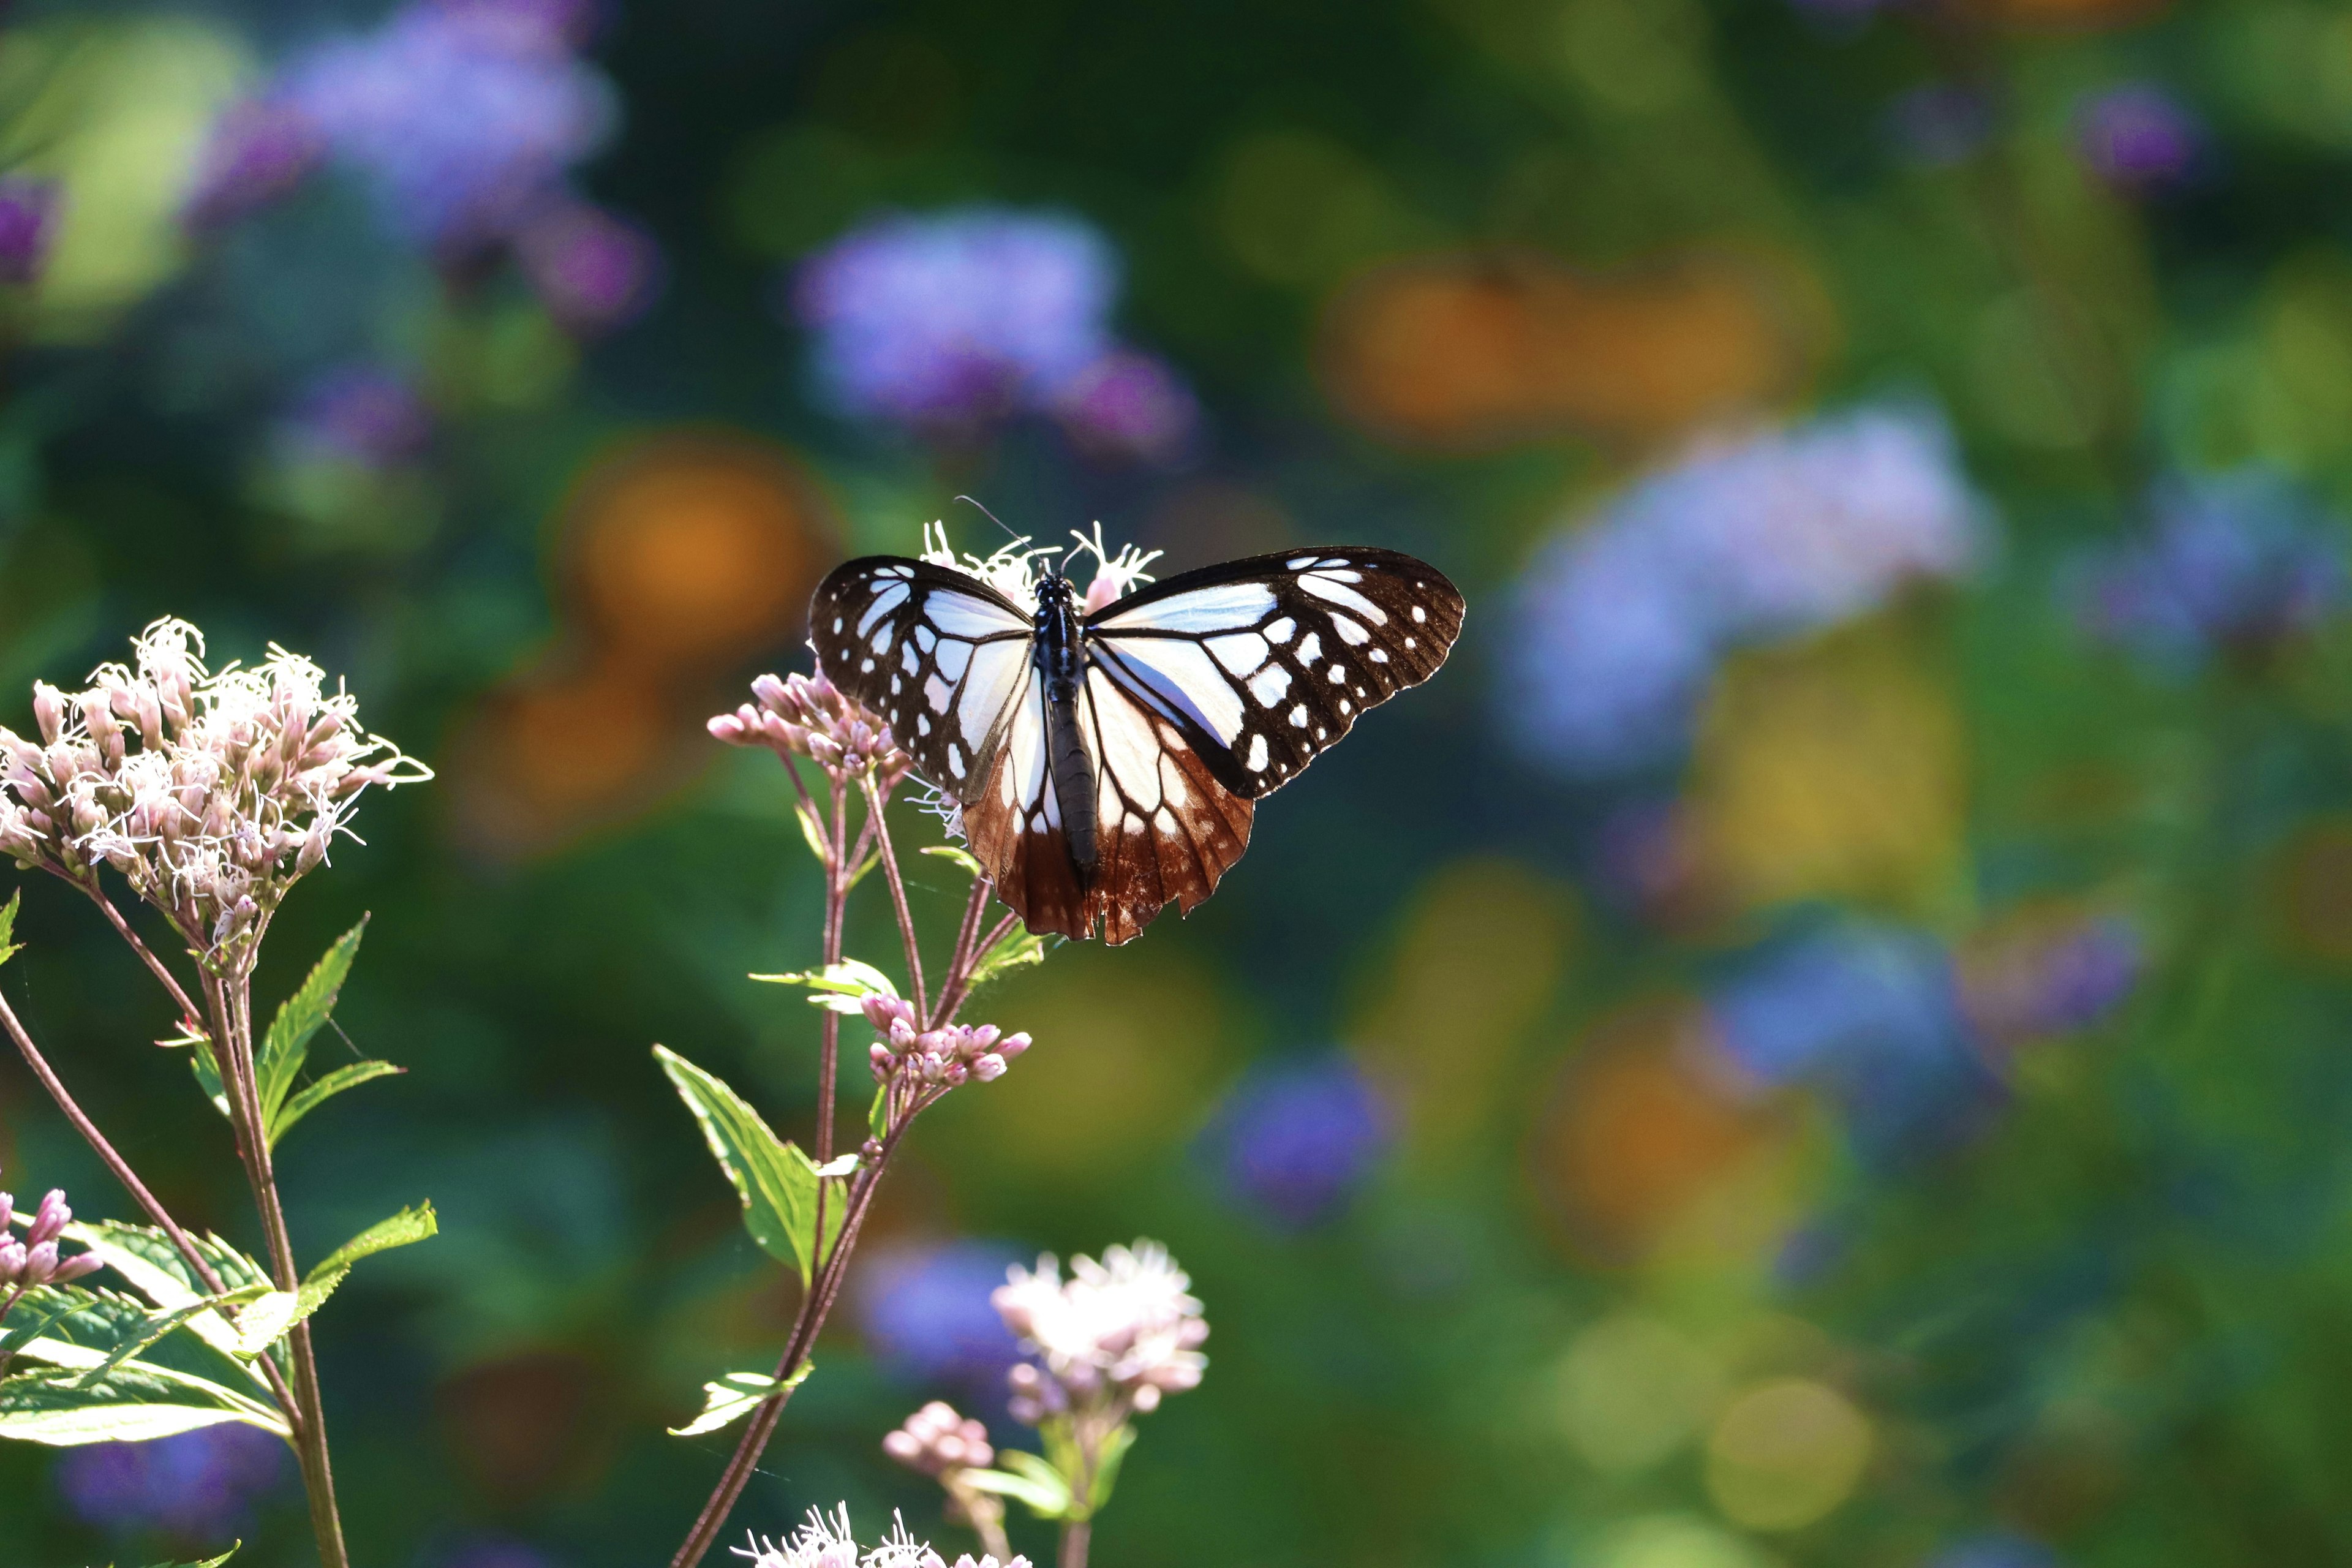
[990,516]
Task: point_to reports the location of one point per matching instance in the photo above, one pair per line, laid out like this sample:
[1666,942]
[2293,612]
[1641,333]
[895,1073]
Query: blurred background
[1818,1039]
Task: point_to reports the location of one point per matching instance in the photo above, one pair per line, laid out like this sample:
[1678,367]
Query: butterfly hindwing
[1265,662]
[938,655]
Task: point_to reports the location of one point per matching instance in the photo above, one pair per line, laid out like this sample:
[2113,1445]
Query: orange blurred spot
[1460,351]
[679,557]
[2314,892]
[691,550]
[1638,1131]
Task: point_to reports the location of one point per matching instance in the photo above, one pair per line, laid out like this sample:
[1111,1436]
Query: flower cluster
[829,1542]
[200,1486]
[1012,570]
[1295,1140]
[808,716]
[33,1261]
[2139,138]
[211,793]
[1121,1333]
[949,1055]
[2235,562]
[952,322]
[1620,623]
[935,1439]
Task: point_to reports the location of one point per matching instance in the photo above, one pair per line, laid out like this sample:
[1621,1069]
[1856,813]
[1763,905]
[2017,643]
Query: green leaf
[403,1229]
[1114,1453]
[287,1044]
[207,1067]
[842,987]
[776,1182]
[878,1115]
[207,1563]
[1017,949]
[961,857]
[325,1089]
[810,830]
[161,1322]
[736,1395]
[8,925]
[266,1321]
[40,1309]
[865,867]
[151,1264]
[1037,1484]
[131,1403]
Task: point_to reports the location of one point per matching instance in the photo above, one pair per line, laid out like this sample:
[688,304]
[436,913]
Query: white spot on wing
[1321,585]
[1380,655]
[1256,758]
[925,638]
[963,615]
[1241,653]
[1268,684]
[1349,632]
[954,657]
[1187,680]
[1419,614]
[888,600]
[1279,632]
[1336,675]
[1298,715]
[937,692]
[1202,610]
[1310,648]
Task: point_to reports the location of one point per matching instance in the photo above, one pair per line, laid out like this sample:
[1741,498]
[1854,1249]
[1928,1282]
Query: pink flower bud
[51,1218]
[12,1263]
[74,1267]
[48,711]
[40,1262]
[988,1068]
[1012,1044]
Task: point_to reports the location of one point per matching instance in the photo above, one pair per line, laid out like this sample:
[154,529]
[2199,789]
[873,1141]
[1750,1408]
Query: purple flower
[959,318]
[2055,985]
[2238,560]
[1130,404]
[464,116]
[258,151]
[360,414]
[1869,1012]
[29,222]
[200,1486]
[2138,137]
[1940,124]
[927,1318]
[1293,1140]
[1620,623]
[589,268]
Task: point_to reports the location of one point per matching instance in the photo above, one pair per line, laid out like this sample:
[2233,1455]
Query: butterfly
[1106,764]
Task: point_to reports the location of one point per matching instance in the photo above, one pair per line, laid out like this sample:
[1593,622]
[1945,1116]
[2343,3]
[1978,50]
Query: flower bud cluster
[827,1542]
[1122,1332]
[211,793]
[34,1260]
[808,716]
[935,1440]
[949,1055]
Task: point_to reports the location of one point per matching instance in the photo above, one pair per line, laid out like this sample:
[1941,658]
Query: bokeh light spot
[1633,1389]
[1785,1453]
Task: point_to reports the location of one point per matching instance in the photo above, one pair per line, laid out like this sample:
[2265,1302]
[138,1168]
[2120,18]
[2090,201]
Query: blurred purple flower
[360,414]
[1620,623]
[1294,1140]
[2237,559]
[1870,1012]
[959,318]
[29,222]
[493,1552]
[1130,404]
[927,1318]
[2138,137]
[589,268]
[2053,987]
[200,1486]
[257,151]
[1996,1552]
[464,115]
[1940,124]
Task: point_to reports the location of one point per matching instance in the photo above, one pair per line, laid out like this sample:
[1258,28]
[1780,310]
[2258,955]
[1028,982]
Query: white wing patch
[1215,610]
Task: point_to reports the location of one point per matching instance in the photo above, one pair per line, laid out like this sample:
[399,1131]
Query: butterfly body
[1107,763]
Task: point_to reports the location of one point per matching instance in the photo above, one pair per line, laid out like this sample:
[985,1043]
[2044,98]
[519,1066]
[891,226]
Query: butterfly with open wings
[1107,763]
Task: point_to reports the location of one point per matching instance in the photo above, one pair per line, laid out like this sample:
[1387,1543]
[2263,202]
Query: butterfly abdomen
[1061,664]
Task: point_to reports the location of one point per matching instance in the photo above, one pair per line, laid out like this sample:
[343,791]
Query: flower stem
[1075,1535]
[232,1000]
[873,812]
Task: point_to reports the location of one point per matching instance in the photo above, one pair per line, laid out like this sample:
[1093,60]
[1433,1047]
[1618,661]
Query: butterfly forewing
[1260,664]
[941,655]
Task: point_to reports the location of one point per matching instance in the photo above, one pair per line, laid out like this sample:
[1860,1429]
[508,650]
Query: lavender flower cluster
[1620,624]
[935,1439]
[212,793]
[1121,1333]
[807,716]
[465,119]
[35,1262]
[952,322]
[949,1055]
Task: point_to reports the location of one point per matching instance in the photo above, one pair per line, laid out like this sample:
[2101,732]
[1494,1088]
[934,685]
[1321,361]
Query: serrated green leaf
[403,1229]
[287,1043]
[1017,949]
[777,1183]
[132,1403]
[737,1395]
[961,857]
[8,925]
[840,987]
[325,1089]
[40,1309]
[266,1321]
[151,1264]
[207,1563]
[1036,1483]
[161,1322]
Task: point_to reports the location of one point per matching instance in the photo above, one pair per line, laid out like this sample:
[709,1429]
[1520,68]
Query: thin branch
[875,804]
[953,999]
[961,962]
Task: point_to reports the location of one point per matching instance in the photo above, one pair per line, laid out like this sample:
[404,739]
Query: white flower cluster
[828,1543]
[211,793]
[1123,1330]
[1012,570]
